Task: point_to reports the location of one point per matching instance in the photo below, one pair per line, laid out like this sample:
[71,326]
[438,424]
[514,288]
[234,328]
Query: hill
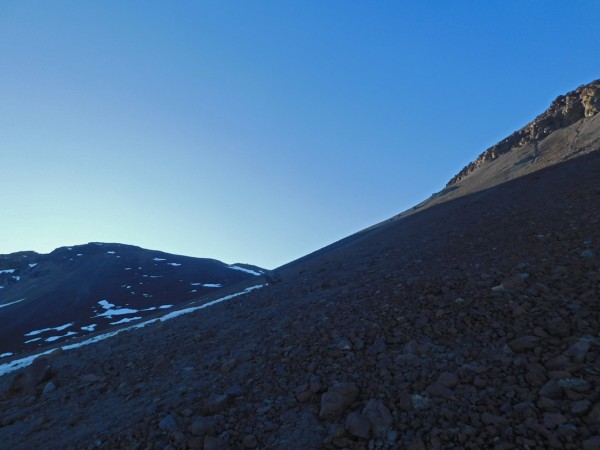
[84,289]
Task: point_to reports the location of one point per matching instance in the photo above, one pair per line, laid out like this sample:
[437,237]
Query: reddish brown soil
[474,321]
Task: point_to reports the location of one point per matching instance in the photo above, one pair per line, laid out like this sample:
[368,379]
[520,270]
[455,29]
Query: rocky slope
[81,290]
[470,322]
[583,102]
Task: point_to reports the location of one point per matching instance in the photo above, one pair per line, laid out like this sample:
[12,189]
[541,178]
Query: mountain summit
[469,321]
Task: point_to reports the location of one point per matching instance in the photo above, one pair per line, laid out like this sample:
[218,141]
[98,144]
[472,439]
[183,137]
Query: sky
[260,131]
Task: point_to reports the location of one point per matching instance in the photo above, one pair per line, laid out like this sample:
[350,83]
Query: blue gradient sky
[259,131]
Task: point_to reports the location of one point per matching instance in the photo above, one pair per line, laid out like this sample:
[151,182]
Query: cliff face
[564,111]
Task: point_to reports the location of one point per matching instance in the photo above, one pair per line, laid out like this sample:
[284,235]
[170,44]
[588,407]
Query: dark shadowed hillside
[470,321]
[80,290]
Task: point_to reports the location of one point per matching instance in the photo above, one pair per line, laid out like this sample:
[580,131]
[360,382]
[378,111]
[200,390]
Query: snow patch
[56,338]
[209,285]
[106,304]
[32,265]
[11,303]
[253,272]
[125,320]
[111,252]
[60,328]
[173,264]
[91,327]
[7,270]
[4,355]
[16,278]
[159,259]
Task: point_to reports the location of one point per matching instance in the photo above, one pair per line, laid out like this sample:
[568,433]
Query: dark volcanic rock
[337,398]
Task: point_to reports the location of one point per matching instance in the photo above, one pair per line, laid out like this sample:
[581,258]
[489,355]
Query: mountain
[469,321]
[84,289]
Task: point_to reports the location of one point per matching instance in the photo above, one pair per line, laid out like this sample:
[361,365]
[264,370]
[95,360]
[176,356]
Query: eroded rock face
[564,111]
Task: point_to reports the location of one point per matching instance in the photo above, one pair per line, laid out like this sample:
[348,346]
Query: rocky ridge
[565,110]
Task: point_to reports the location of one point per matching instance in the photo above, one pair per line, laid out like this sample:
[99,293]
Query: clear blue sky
[259,131]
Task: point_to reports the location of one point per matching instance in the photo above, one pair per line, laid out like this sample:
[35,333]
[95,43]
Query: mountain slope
[75,291]
[470,321]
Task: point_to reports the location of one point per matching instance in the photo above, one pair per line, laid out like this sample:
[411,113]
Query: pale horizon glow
[258,132]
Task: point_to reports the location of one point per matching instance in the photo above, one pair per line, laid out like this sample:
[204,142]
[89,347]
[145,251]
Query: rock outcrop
[564,111]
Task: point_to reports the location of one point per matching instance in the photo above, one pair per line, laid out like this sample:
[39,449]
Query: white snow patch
[16,278]
[1,287]
[131,319]
[32,265]
[4,355]
[253,272]
[165,306]
[212,285]
[7,270]
[117,312]
[60,328]
[159,259]
[11,303]
[20,363]
[193,290]
[127,268]
[33,340]
[91,327]
[56,338]
[24,362]
[111,252]
[79,254]
[106,304]
[174,264]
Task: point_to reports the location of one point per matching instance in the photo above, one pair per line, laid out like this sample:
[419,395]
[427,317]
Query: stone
[203,425]
[50,387]
[379,417]
[437,390]
[580,407]
[558,328]
[551,390]
[220,442]
[195,443]
[492,419]
[167,423]
[579,349]
[523,344]
[250,441]
[336,400]
[90,378]
[358,425]
[32,376]
[593,418]
[215,404]
[448,379]
[592,443]
[553,420]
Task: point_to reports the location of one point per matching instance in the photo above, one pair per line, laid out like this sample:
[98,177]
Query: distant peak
[564,111]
